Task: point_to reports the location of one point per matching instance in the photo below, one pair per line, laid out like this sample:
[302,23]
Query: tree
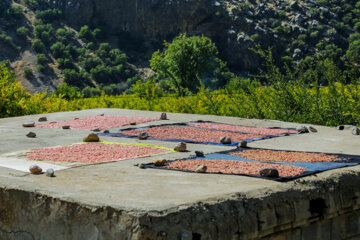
[186,61]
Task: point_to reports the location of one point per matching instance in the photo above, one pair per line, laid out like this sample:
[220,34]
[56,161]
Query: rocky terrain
[293,29]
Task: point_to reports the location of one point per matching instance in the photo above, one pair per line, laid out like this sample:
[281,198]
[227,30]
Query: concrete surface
[135,194]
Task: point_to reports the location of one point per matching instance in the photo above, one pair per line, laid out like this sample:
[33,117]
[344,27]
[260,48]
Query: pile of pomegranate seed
[192,134]
[284,156]
[233,128]
[234,167]
[92,153]
[101,122]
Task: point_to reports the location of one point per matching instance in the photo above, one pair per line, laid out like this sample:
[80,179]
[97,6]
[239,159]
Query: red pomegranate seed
[284,156]
[233,128]
[101,122]
[193,134]
[234,167]
[92,153]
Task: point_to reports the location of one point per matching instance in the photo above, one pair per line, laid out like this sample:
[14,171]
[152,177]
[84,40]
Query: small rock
[143,136]
[302,129]
[50,172]
[106,131]
[356,131]
[142,166]
[225,140]
[96,130]
[43,119]
[180,147]
[35,169]
[243,144]
[29,124]
[340,127]
[31,135]
[159,162]
[199,153]
[101,115]
[312,129]
[163,116]
[201,169]
[133,123]
[269,172]
[200,121]
[66,127]
[92,138]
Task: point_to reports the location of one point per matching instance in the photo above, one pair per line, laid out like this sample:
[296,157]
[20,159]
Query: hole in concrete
[196,236]
[317,207]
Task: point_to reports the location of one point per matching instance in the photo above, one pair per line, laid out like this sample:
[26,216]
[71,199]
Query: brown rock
[243,144]
[163,116]
[28,124]
[35,169]
[43,119]
[133,123]
[143,136]
[92,138]
[66,127]
[180,147]
[225,140]
[159,162]
[312,129]
[96,130]
[269,172]
[142,166]
[31,135]
[201,169]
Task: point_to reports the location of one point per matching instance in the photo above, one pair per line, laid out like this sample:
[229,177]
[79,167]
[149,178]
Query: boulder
[43,119]
[35,169]
[143,136]
[180,147]
[269,172]
[225,140]
[163,116]
[158,162]
[28,124]
[243,144]
[66,127]
[201,169]
[31,135]
[92,138]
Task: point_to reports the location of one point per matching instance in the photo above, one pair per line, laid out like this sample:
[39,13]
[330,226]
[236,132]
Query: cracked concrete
[120,201]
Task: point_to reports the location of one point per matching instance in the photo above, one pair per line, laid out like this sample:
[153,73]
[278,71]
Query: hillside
[53,40]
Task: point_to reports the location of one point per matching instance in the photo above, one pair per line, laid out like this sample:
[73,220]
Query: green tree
[186,61]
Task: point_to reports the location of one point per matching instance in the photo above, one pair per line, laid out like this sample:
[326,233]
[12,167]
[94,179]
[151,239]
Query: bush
[42,59]
[28,73]
[22,32]
[49,15]
[58,50]
[85,33]
[38,46]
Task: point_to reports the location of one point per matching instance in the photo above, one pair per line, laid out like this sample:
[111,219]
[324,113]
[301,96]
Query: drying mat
[176,132]
[273,131]
[308,168]
[101,122]
[70,156]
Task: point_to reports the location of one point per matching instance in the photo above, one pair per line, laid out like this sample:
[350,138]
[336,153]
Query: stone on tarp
[269,172]
[66,127]
[158,162]
[201,169]
[199,154]
[28,124]
[180,147]
[143,136]
[243,144]
[225,140]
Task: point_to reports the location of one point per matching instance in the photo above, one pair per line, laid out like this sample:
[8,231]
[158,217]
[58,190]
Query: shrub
[28,73]
[22,32]
[42,59]
[38,46]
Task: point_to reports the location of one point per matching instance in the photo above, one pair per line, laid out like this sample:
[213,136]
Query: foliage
[186,61]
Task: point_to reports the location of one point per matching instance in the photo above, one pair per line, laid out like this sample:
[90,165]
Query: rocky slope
[295,29]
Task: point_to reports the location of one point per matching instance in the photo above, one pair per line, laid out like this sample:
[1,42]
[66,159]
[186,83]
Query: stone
[106,131]
[28,124]
[269,172]
[200,121]
[356,131]
[225,140]
[180,147]
[163,116]
[142,166]
[101,115]
[35,169]
[312,129]
[66,127]
[158,162]
[133,123]
[50,172]
[43,119]
[96,130]
[201,169]
[199,154]
[92,138]
[340,127]
[302,129]
[143,136]
[242,144]
[31,135]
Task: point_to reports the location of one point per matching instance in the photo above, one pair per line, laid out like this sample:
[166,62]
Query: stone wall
[326,208]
